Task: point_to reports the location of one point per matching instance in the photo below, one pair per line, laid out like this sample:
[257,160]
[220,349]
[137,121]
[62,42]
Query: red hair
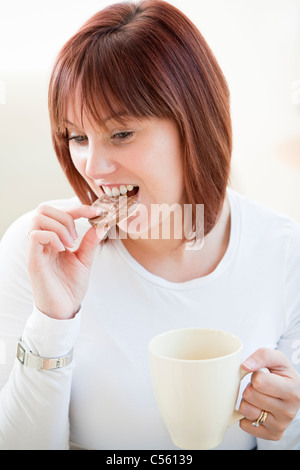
[148,59]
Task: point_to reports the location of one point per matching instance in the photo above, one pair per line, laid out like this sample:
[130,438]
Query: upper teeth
[117,191]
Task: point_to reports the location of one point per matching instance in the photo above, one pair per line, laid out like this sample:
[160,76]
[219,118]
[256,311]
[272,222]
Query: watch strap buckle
[28,359]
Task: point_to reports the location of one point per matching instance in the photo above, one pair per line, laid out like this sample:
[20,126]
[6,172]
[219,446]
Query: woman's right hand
[59,277]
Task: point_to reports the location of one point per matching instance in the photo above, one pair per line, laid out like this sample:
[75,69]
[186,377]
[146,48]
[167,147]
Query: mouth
[117,204]
[127,190]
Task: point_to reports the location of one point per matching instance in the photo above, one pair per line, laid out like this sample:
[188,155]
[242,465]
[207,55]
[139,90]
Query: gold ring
[261,419]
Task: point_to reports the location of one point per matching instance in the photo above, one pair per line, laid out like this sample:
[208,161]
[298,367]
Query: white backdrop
[257,44]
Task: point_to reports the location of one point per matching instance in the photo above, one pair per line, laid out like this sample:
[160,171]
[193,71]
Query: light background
[257,43]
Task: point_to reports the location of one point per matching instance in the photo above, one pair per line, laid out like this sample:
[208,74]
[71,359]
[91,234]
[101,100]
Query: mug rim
[168,332]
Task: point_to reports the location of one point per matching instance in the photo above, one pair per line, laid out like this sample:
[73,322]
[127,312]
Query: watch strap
[28,359]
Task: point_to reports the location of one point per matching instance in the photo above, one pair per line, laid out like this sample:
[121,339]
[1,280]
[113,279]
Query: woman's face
[146,153]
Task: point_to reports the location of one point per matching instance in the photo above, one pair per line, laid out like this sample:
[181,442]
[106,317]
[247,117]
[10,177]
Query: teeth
[123,189]
[117,191]
[107,190]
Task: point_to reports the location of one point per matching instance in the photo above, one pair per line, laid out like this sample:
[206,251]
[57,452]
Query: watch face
[21,353]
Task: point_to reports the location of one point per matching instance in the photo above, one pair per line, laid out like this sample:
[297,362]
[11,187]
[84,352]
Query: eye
[78,139]
[122,136]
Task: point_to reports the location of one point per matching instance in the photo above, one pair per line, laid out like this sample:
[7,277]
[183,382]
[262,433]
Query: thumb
[275,361]
[90,242]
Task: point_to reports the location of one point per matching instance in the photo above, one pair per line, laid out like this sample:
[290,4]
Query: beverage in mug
[196,374]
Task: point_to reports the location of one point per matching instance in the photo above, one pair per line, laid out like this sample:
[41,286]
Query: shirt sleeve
[289,342]
[34,404]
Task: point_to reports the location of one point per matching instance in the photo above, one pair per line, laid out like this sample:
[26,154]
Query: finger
[45,223]
[89,245]
[248,410]
[283,411]
[272,428]
[272,384]
[262,401]
[60,216]
[41,238]
[84,211]
[263,431]
[66,217]
[274,360]
[252,413]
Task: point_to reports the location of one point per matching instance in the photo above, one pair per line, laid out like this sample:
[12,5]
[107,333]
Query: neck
[166,256]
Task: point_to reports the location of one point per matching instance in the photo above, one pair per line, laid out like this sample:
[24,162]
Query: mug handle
[236,415]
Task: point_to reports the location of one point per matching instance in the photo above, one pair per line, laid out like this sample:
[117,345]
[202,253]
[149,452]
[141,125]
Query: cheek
[167,182]
[169,167]
[79,160]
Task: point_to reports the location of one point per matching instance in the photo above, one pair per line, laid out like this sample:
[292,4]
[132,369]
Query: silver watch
[28,359]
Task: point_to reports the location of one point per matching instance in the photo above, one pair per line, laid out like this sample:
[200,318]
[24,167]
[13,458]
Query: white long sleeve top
[104,399]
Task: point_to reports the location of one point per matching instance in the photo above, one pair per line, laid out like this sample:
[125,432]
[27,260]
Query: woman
[139,106]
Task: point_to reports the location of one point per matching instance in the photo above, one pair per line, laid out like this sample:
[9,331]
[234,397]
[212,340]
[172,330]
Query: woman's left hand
[278,393]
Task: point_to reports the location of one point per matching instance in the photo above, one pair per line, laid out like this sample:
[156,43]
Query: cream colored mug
[196,374]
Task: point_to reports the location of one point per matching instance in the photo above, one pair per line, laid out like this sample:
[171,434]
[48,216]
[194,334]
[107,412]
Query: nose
[99,163]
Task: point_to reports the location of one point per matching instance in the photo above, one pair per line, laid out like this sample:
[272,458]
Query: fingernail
[71,241]
[61,246]
[74,235]
[99,212]
[250,364]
